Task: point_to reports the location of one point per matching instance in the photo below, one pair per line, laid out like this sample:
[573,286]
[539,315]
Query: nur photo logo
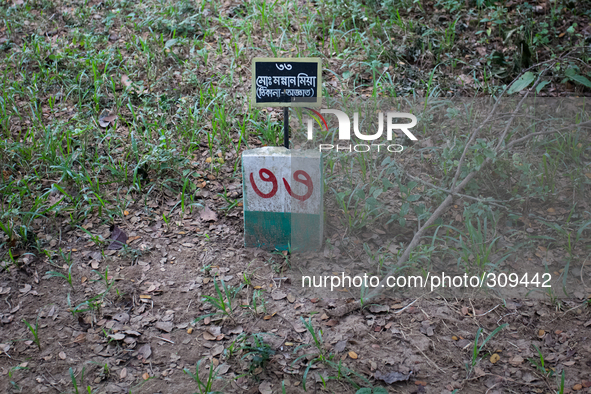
[345,131]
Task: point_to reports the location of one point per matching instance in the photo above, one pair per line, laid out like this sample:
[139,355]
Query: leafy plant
[257,351]
[476,349]
[222,301]
[76,382]
[34,331]
[540,363]
[321,355]
[11,372]
[561,384]
[204,386]
[68,278]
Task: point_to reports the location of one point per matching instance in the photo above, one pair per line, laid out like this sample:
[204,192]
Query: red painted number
[299,176]
[270,177]
[306,181]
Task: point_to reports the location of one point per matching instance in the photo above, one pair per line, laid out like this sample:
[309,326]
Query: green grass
[477,349]
[319,355]
[34,331]
[223,300]
[204,385]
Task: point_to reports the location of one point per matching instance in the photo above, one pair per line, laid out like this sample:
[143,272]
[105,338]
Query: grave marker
[282,188]
[283,207]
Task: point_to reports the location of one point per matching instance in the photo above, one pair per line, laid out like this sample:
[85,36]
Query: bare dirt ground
[151,335]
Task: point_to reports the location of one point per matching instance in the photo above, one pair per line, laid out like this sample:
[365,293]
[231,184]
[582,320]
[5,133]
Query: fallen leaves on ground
[107,119]
[119,238]
[208,215]
[391,377]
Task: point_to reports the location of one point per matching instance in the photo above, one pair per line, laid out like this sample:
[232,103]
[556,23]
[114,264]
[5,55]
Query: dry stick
[347,308]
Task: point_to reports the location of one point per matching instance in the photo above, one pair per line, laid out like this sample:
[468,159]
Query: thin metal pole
[286,127]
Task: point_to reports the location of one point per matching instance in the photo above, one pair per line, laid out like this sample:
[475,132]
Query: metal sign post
[286,127]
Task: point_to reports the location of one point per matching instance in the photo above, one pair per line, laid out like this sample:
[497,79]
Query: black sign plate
[286,82]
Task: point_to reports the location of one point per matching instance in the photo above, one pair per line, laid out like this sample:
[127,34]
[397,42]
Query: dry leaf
[145,351]
[125,81]
[119,238]
[208,336]
[123,373]
[106,119]
[391,377]
[265,388]
[278,295]
[340,346]
[25,289]
[118,336]
[208,215]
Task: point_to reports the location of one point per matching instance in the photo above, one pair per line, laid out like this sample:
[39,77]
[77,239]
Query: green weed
[34,331]
[204,386]
[222,300]
[477,349]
